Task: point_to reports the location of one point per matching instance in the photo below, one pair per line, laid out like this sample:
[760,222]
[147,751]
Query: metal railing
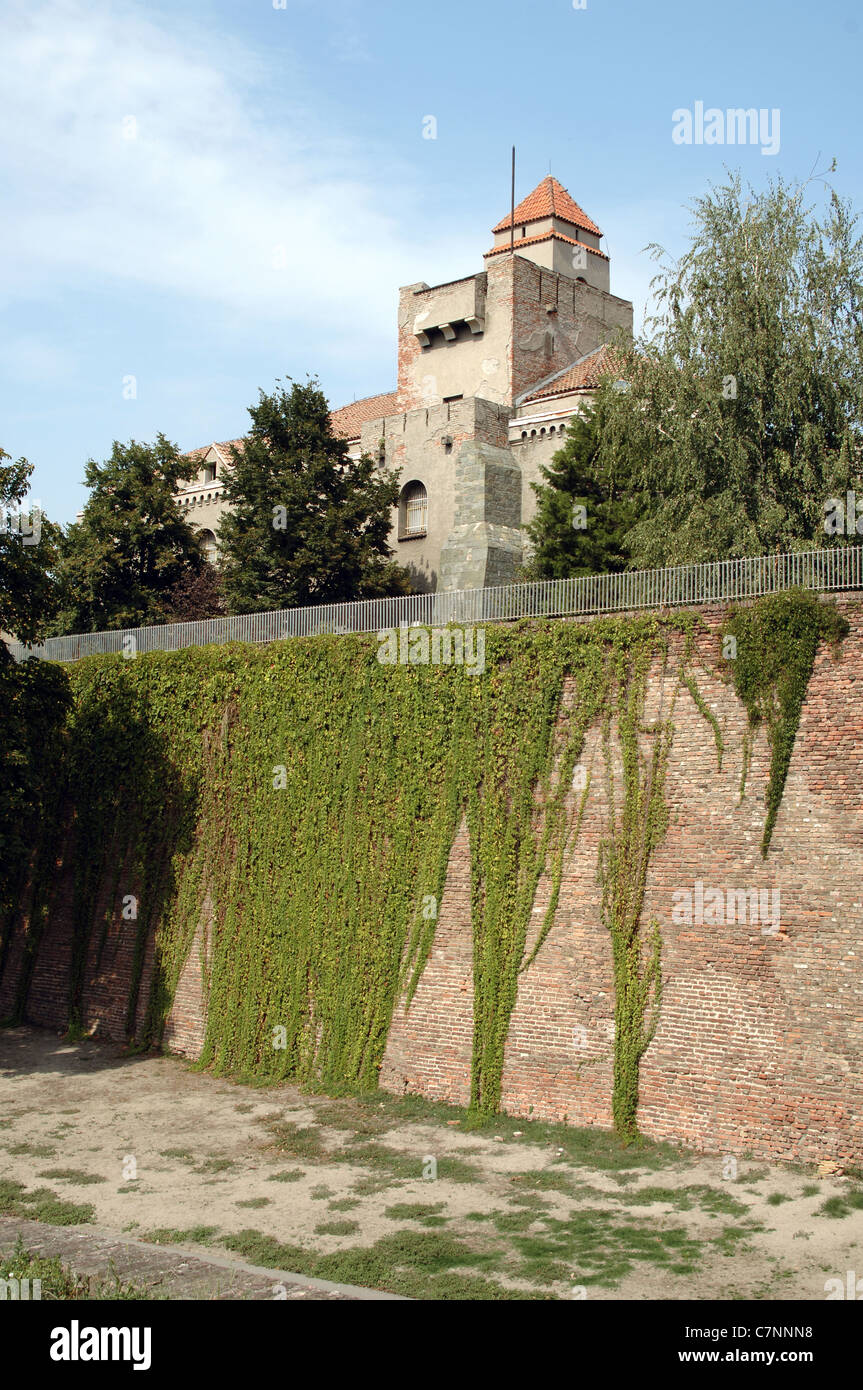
[723,580]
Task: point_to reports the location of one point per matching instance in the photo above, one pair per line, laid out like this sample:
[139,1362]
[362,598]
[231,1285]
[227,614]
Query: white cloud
[137,153]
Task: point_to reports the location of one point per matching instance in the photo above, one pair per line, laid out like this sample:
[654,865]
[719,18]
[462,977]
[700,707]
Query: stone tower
[490,368]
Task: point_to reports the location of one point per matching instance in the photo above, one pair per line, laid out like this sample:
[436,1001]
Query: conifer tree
[583,511]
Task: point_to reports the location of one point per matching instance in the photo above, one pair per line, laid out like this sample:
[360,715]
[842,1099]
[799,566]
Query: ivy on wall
[777,639]
[298,803]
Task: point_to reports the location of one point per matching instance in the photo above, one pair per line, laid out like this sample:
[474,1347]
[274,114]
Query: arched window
[211,550]
[413,511]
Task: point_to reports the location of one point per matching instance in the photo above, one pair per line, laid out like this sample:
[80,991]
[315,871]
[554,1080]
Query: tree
[307,524]
[120,563]
[583,508]
[745,402]
[34,695]
[28,555]
[197,594]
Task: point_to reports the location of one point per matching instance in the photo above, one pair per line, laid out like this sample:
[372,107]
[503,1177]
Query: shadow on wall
[125,816]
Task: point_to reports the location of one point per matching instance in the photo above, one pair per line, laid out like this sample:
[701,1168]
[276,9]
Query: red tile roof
[582,375]
[346,423]
[545,236]
[224,449]
[549,199]
[348,420]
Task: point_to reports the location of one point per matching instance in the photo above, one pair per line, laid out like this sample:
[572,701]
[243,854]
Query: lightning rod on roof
[512,208]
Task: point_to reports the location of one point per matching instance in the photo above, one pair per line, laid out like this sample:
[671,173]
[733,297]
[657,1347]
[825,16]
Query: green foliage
[28,554]
[583,512]
[307,524]
[59,1282]
[35,698]
[624,858]
[292,809]
[745,402]
[120,564]
[777,640]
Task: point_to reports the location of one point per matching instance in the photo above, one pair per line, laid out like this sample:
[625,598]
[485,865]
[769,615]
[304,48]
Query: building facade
[490,370]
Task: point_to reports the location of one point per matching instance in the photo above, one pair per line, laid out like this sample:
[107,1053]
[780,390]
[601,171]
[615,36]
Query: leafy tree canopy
[308,524]
[744,406]
[121,561]
[28,555]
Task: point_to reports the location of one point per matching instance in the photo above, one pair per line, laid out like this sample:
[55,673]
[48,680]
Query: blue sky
[210,194]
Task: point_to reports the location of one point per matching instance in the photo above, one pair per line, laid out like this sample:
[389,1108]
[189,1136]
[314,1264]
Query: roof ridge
[547,380]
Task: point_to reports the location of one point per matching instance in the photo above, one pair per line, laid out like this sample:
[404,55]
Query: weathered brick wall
[760,1039]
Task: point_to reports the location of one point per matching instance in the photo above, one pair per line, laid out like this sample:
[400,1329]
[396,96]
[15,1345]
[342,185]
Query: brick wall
[760,1040]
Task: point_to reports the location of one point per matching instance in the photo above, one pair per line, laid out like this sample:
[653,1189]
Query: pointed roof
[549,199]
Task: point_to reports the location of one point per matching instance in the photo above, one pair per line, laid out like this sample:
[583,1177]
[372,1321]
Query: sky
[203,197]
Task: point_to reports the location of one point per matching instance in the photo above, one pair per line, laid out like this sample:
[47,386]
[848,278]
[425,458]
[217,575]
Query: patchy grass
[41,1205]
[427,1213]
[255,1202]
[216,1165]
[287,1175]
[337,1228]
[168,1235]
[842,1206]
[32,1150]
[73,1175]
[414,1263]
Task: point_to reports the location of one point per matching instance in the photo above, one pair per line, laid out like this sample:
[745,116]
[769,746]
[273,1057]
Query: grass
[337,1228]
[287,1175]
[842,1206]
[41,1205]
[426,1213]
[59,1283]
[255,1202]
[25,1150]
[416,1264]
[169,1235]
[73,1175]
[216,1165]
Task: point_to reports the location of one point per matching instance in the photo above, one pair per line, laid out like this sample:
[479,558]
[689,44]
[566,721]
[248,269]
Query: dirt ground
[398,1193]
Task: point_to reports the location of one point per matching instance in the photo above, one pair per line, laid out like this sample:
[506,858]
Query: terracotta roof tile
[348,420]
[582,375]
[546,236]
[549,199]
[346,423]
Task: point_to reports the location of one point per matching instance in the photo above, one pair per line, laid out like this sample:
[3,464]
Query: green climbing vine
[288,813]
[777,639]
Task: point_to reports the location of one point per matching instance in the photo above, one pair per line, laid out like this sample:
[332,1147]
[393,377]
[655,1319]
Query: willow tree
[744,402]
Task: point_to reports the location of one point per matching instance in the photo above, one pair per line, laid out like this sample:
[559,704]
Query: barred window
[413,510]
